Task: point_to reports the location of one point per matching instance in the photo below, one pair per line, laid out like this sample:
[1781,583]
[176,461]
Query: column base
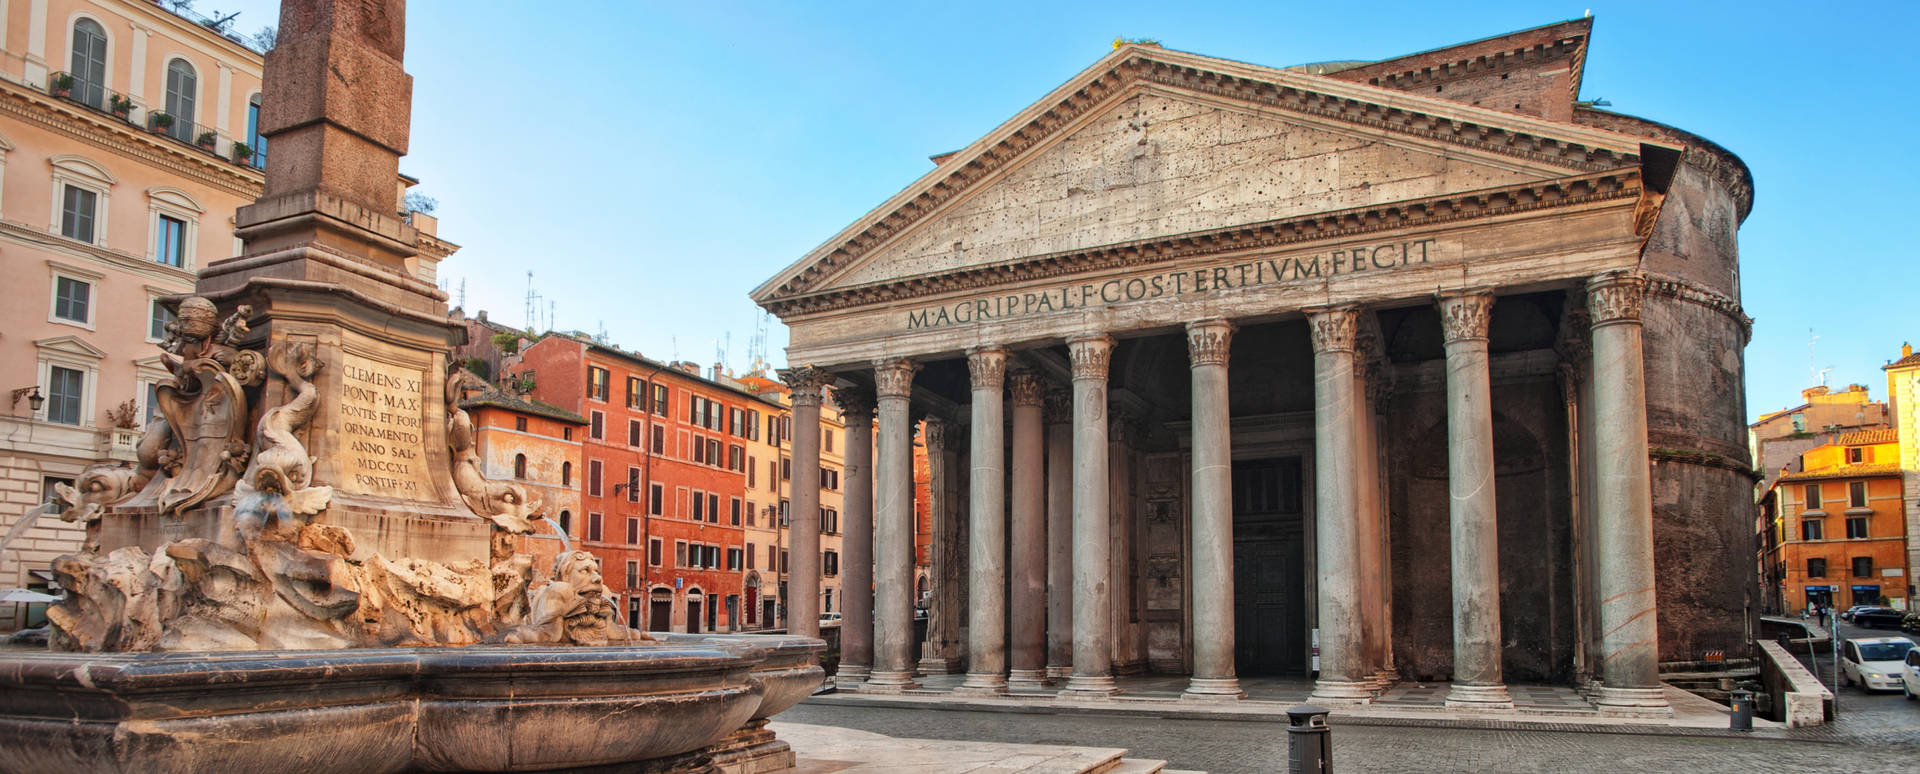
[1089,688]
[851,675]
[1633,702]
[1059,674]
[983,684]
[1213,689]
[882,681]
[1384,678]
[1341,692]
[1028,680]
[939,665]
[1479,697]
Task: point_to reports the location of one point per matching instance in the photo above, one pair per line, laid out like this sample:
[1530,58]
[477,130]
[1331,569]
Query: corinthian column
[1027,598]
[1629,624]
[893,531]
[940,652]
[1208,342]
[987,528]
[1092,625]
[856,580]
[1344,677]
[1058,414]
[1477,681]
[803,578]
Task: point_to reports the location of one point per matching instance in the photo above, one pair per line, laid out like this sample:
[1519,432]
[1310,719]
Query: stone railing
[1799,699]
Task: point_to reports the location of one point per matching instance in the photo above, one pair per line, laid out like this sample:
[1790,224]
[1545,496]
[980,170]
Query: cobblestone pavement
[1228,747]
[1869,717]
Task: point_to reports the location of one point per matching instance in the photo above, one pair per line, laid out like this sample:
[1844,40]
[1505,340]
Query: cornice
[128,262]
[128,141]
[1497,62]
[1371,107]
[1677,288]
[1338,224]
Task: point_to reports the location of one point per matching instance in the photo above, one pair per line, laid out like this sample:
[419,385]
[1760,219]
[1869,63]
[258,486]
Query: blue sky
[653,162]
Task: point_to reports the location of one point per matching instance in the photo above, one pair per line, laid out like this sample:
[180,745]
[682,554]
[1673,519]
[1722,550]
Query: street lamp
[34,399]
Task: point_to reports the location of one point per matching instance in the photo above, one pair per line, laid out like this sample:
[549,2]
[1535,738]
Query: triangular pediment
[70,345]
[1151,143]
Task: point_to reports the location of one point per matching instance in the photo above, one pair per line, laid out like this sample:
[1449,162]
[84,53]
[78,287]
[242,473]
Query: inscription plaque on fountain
[382,415]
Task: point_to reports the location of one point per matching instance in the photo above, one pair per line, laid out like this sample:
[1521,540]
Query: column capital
[1025,388]
[934,433]
[1465,314]
[805,382]
[893,378]
[1333,327]
[856,404]
[1208,341]
[1614,297]
[1058,407]
[1090,353]
[988,367]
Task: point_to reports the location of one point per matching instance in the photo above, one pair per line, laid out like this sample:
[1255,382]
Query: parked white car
[1910,676]
[1875,664]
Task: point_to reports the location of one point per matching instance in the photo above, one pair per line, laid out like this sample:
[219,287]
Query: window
[751,553]
[773,474]
[633,574]
[830,563]
[566,433]
[152,391]
[182,90]
[753,425]
[77,208]
[520,424]
[713,452]
[1863,567]
[593,527]
[1813,497]
[597,379]
[735,503]
[566,474]
[636,394]
[829,479]
[66,394]
[660,399]
[737,422]
[653,551]
[700,450]
[1856,527]
[1810,529]
[679,553]
[750,512]
[655,494]
[771,559]
[519,466]
[713,508]
[593,478]
[733,559]
[72,299]
[826,439]
[1816,567]
[786,469]
[829,521]
[254,139]
[693,409]
[699,507]
[158,315]
[633,531]
[88,65]
[1856,494]
[170,241]
[753,467]
[633,484]
[736,457]
[597,428]
[566,522]
[659,445]
[713,557]
[1856,455]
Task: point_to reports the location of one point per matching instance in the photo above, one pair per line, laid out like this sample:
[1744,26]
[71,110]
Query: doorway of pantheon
[1269,568]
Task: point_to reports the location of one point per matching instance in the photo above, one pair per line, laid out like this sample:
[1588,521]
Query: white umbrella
[27,596]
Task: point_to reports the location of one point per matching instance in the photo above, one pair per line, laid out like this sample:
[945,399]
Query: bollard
[1310,748]
[1742,717]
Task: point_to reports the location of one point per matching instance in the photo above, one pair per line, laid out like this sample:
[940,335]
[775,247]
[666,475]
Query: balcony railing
[90,94]
[95,96]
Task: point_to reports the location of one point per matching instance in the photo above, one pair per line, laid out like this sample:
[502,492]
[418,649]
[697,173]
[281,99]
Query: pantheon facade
[1419,369]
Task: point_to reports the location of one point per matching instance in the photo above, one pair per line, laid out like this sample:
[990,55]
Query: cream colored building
[100,217]
[1903,390]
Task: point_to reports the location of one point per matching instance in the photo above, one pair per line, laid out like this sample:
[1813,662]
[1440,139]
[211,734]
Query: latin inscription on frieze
[382,443]
[1185,283]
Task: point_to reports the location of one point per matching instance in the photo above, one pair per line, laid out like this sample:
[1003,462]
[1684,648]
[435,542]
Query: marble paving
[831,750]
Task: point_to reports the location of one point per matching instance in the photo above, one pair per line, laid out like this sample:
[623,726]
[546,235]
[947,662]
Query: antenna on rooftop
[533,306]
[1813,371]
[757,346]
[462,300]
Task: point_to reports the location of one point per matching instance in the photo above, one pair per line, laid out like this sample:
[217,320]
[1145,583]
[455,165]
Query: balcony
[96,97]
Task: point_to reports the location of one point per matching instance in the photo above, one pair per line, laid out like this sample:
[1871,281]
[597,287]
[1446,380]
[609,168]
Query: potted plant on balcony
[119,106]
[242,153]
[206,140]
[62,85]
[159,122]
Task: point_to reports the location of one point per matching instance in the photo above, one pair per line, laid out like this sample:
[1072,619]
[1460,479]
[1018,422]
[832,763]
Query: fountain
[306,568]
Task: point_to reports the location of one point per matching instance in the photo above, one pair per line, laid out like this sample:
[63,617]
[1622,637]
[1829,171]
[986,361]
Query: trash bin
[1310,744]
[1742,717]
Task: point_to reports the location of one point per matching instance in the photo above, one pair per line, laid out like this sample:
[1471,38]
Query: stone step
[1129,766]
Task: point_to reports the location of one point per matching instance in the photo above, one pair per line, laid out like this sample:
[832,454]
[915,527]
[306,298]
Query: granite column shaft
[1027,545]
[893,531]
[987,538]
[1343,672]
[856,579]
[1208,344]
[1092,623]
[1475,552]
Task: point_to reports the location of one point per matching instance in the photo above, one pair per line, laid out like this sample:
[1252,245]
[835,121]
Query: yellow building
[832,485]
[1903,389]
[1837,517]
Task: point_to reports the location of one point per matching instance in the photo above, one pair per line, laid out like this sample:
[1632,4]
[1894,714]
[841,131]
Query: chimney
[1906,350]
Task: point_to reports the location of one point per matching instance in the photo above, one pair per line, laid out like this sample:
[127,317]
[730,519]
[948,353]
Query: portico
[1221,406]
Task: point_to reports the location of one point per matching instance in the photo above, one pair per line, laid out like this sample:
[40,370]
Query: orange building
[537,446]
[1837,526]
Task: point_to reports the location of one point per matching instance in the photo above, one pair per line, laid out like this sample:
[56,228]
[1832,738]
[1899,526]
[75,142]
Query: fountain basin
[478,708]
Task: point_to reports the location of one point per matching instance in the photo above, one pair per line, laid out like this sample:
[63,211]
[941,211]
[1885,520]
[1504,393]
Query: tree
[507,343]
[480,368]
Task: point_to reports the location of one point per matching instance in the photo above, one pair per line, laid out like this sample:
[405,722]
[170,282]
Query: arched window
[566,522]
[254,140]
[566,474]
[89,63]
[182,89]
[519,466]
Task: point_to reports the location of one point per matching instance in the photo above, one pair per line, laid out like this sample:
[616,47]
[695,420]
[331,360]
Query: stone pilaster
[1208,343]
[1092,627]
[1477,681]
[987,544]
[893,530]
[856,579]
[1027,596]
[1058,415]
[1344,678]
[803,575]
[1623,499]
